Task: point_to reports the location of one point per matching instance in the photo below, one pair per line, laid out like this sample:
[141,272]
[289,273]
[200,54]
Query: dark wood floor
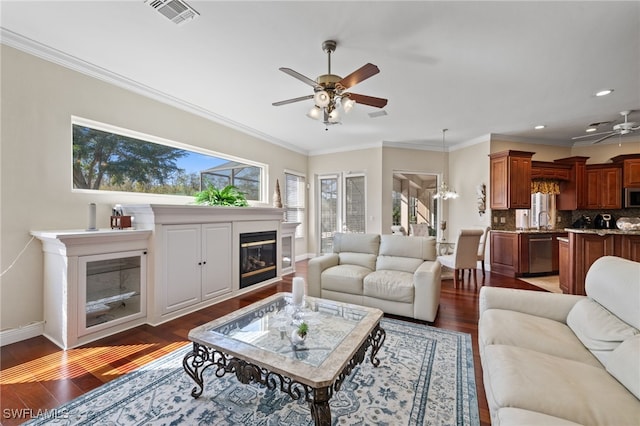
[36,375]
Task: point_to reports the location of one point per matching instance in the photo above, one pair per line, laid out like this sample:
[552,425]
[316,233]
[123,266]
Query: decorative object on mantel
[481,190]
[277,199]
[92,217]
[444,192]
[227,196]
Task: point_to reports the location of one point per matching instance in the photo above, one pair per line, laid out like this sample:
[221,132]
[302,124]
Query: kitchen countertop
[531,231]
[565,230]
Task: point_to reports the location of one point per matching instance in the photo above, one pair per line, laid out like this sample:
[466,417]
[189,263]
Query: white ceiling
[473,67]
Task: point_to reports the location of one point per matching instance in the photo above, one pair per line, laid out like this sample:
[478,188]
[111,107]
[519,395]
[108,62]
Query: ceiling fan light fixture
[348,104]
[315,113]
[334,116]
[322,98]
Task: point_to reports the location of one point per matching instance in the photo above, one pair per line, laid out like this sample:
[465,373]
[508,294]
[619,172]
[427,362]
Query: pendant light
[444,192]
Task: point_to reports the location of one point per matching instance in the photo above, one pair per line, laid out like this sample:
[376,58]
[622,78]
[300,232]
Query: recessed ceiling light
[540,126]
[604,92]
[591,129]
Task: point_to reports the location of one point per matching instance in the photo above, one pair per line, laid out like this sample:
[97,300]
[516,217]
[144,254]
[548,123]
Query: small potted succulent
[300,333]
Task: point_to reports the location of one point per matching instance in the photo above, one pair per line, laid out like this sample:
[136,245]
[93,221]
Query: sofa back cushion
[624,364]
[400,253]
[357,249]
[614,283]
[598,329]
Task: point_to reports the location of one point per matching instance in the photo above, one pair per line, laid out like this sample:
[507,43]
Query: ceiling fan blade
[590,135]
[605,137]
[368,100]
[290,101]
[302,78]
[361,74]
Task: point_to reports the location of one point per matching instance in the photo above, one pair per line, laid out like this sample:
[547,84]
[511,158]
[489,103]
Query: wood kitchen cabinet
[630,169]
[548,170]
[573,191]
[510,180]
[604,186]
[504,253]
[586,248]
[563,264]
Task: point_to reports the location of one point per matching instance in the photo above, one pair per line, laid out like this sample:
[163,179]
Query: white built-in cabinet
[95,283]
[196,264]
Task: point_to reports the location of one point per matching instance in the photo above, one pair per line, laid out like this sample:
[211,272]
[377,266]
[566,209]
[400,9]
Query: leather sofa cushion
[599,330]
[390,285]
[517,416]
[614,283]
[361,259]
[357,243]
[503,327]
[405,264]
[530,380]
[423,248]
[624,364]
[344,278]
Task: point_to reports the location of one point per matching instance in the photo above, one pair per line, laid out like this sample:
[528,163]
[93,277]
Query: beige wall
[38,100]
[604,151]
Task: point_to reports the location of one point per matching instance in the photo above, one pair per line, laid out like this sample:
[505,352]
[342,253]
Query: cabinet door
[589,248]
[216,259]
[611,195]
[632,173]
[504,253]
[182,267]
[630,247]
[499,183]
[593,189]
[563,265]
[520,183]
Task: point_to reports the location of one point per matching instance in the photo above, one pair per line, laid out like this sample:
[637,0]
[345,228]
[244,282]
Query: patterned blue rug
[425,377]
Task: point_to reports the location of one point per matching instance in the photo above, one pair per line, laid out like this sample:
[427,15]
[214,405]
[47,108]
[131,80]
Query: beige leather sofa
[397,274]
[558,359]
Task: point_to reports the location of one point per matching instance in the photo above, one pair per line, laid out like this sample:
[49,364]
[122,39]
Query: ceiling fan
[619,129]
[330,90]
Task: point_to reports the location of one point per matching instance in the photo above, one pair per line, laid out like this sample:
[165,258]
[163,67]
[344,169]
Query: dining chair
[465,255]
[481,248]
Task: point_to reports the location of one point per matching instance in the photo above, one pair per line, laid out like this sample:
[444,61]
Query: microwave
[632,197]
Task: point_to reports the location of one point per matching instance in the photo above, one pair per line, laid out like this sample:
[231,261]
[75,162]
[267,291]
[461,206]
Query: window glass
[294,200]
[109,159]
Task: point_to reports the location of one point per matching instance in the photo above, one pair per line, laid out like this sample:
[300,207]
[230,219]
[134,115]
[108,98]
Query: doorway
[413,205]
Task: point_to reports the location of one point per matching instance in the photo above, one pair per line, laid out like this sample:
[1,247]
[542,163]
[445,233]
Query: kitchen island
[523,252]
[582,247]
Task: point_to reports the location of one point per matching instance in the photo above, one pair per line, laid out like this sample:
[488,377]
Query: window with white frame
[109,158]
[294,200]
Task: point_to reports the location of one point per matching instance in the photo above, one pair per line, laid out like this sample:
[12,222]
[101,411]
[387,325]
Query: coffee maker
[604,221]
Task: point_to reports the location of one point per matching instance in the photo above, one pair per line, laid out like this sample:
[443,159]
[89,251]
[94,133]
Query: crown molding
[47,53]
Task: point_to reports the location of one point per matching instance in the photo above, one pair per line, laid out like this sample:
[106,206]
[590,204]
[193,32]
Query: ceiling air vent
[177,11]
[376,114]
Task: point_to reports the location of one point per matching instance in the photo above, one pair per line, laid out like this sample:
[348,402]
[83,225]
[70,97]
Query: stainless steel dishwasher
[540,253]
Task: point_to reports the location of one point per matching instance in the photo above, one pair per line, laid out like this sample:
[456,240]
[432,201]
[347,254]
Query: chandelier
[444,192]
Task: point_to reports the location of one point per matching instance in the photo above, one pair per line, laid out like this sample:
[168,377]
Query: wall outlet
[503,220]
[495,219]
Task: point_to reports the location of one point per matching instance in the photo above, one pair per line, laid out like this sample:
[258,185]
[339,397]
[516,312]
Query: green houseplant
[227,196]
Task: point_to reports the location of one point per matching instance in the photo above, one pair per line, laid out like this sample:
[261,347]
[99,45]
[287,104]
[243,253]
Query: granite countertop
[602,231]
[531,231]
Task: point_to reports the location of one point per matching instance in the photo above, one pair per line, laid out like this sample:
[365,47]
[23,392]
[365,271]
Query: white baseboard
[14,335]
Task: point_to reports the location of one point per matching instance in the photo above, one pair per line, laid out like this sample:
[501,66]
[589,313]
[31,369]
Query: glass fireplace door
[111,290]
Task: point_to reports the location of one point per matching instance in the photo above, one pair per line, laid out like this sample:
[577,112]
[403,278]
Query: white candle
[298,290]
[92,217]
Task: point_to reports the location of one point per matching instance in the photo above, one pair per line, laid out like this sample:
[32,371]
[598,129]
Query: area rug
[425,377]
[551,283]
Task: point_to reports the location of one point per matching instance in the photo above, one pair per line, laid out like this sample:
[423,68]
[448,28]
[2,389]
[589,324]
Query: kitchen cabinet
[630,169]
[510,180]
[548,170]
[504,253]
[510,252]
[604,187]
[585,248]
[573,191]
[563,264]
[196,264]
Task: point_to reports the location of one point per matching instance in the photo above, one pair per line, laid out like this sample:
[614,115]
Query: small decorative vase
[297,339]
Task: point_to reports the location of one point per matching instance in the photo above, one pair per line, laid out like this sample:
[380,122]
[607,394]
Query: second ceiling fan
[330,90]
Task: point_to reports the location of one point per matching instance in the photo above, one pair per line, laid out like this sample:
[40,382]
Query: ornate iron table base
[203,357]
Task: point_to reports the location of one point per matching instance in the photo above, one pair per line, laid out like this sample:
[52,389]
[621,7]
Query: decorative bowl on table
[628,223]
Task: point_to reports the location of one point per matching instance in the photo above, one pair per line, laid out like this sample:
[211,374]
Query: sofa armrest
[314,271]
[553,306]
[427,285]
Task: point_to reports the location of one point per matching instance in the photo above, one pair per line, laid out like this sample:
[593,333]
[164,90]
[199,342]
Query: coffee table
[254,343]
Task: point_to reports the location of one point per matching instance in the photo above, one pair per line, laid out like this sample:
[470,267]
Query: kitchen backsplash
[505,220]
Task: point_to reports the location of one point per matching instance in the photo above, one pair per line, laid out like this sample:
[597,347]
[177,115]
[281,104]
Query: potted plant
[300,333]
[227,196]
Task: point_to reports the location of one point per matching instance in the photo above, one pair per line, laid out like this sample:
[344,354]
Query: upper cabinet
[630,169]
[573,191]
[604,186]
[510,175]
[548,170]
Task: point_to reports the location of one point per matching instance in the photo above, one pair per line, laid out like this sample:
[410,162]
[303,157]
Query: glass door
[111,290]
[328,207]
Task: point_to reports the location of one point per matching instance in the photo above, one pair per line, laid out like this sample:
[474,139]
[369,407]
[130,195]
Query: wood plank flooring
[35,375]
